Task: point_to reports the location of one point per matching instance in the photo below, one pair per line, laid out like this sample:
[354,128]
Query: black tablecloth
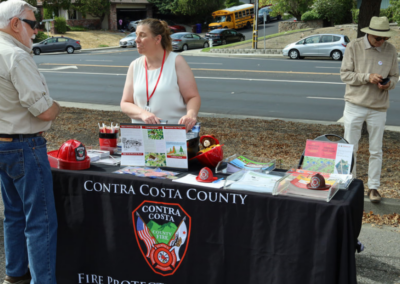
[232,236]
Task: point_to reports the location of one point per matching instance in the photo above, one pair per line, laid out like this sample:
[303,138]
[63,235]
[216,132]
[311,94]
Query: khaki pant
[354,117]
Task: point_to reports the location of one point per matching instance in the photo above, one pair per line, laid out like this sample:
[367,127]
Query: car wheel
[223,41]
[185,47]
[336,55]
[268,19]
[225,27]
[248,25]
[242,39]
[294,54]
[206,45]
[70,49]
[36,51]
[123,46]
[279,17]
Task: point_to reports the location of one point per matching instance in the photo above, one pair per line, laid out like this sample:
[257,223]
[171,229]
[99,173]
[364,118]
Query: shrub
[388,13]
[60,25]
[47,14]
[40,36]
[355,13]
[310,16]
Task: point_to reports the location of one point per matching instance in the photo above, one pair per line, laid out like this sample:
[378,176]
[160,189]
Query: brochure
[328,157]
[255,181]
[148,172]
[154,145]
[242,162]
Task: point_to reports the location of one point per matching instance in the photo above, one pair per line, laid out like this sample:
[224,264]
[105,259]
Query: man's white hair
[13,8]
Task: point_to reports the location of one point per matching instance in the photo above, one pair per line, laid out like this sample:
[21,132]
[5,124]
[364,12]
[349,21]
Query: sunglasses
[378,38]
[32,24]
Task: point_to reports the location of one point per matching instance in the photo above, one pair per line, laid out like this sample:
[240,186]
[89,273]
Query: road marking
[204,69]
[205,63]
[211,78]
[58,68]
[101,60]
[321,98]
[326,67]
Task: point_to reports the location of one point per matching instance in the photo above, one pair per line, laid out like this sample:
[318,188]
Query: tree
[165,6]
[202,8]
[53,6]
[95,8]
[296,8]
[335,11]
[395,8]
[368,9]
[231,3]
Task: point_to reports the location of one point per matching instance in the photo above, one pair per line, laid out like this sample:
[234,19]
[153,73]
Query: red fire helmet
[72,155]
[212,157]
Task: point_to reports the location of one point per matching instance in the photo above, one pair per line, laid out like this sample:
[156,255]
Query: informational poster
[154,145]
[328,157]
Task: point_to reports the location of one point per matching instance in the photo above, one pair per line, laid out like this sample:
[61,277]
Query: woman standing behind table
[160,84]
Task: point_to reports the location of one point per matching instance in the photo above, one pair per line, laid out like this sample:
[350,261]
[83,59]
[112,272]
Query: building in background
[127,10]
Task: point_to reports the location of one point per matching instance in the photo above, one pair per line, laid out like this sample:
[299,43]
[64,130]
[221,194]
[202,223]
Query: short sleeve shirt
[23,90]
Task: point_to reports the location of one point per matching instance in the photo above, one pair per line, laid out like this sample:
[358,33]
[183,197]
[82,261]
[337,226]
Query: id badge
[147,108]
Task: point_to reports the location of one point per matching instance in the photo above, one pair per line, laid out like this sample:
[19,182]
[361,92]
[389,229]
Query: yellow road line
[201,69]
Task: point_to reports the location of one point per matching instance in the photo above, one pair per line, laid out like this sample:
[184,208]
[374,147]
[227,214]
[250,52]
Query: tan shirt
[359,61]
[23,89]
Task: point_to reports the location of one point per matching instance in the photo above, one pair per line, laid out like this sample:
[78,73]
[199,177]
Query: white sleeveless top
[167,101]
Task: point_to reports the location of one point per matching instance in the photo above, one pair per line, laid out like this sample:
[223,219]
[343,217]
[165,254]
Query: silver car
[184,41]
[324,45]
[133,25]
[128,41]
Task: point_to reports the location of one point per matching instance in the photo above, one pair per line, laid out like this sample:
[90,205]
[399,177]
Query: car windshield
[218,31]
[131,35]
[262,11]
[177,36]
[220,19]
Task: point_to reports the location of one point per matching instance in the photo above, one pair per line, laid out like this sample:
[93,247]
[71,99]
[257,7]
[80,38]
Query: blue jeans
[30,223]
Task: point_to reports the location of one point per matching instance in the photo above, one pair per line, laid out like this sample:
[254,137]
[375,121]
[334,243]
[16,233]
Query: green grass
[103,45]
[76,29]
[250,40]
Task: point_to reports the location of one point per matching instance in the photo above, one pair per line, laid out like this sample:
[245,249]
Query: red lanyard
[147,80]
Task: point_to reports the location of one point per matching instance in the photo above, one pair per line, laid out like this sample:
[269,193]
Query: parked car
[56,44]
[184,41]
[128,41]
[324,45]
[224,36]
[174,27]
[133,25]
[269,18]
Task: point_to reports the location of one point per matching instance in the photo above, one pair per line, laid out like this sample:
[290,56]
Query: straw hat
[379,26]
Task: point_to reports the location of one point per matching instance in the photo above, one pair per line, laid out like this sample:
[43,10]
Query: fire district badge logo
[162,231]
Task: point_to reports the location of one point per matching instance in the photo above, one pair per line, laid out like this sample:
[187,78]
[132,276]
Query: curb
[386,206]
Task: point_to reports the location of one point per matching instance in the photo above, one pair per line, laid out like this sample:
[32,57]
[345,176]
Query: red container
[108,141]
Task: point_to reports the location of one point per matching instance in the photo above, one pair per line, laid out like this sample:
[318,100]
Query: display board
[328,157]
[154,145]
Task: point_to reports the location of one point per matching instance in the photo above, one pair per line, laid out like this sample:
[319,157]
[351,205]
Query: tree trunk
[368,9]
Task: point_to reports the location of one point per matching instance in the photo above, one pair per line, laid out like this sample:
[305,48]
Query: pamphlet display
[236,163]
[154,145]
[252,181]
[148,172]
[298,184]
[328,157]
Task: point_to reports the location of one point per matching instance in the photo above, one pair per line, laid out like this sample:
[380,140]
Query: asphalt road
[278,88]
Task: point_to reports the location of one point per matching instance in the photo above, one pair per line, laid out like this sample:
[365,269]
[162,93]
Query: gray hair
[13,8]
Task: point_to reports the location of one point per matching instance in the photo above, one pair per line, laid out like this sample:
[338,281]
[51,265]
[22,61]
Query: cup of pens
[108,136]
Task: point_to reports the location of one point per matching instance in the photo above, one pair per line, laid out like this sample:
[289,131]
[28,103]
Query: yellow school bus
[233,18]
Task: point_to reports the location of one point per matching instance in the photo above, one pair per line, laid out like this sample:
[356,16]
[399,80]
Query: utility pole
[255,25]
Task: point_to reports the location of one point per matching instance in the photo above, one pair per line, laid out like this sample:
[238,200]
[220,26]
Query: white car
[128,41]
[324,45]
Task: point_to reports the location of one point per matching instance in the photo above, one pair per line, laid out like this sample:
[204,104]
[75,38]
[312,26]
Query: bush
[40,36]
[388,13]
[60,25]
[355,13]
[310,16]
[47,14]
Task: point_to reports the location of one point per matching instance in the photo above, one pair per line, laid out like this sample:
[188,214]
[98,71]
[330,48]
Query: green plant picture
[155,134]
[155,159]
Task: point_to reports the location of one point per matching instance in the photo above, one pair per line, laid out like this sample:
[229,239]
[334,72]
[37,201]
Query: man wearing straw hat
[367,62]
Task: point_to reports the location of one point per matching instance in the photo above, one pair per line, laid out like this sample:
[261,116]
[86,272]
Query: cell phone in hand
[385,81]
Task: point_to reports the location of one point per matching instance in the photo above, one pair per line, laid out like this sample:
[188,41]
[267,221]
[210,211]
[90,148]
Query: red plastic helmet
[212,157]
[72,155]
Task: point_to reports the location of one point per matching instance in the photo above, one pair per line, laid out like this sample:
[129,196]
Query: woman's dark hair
[159,27]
